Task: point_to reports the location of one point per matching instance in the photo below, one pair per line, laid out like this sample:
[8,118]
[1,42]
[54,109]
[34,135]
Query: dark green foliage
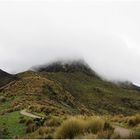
[2,99]
[39,122]
[3,133]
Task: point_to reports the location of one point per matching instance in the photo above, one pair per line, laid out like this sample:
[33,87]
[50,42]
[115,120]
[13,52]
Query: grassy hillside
[98,95]
[55,93]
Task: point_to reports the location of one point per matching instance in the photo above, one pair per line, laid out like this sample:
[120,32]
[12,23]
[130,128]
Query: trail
[123,132]
[25,113]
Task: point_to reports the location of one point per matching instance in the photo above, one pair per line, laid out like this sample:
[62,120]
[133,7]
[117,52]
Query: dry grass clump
[93,125]
[80,127]
[44,131]
[53,121]
[130,120]
[69,129]
[86,136]
[119,118]
[105,134]
[134,120]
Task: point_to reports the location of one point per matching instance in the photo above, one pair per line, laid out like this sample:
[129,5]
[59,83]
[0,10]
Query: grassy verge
[10,122]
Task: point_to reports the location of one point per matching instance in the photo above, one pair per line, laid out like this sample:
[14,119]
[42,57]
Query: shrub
[69,129]
[31,128]
[39,121]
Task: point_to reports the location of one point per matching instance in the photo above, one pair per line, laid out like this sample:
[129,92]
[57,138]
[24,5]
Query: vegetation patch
[10,122]
[77,126]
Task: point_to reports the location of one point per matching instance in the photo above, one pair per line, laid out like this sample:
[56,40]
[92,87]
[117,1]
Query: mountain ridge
[59,80]
[6,78]
[55,94]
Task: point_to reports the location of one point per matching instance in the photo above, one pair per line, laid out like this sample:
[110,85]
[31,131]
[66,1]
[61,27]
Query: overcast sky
[106,34]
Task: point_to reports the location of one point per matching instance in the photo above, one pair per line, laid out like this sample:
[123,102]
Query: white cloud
[105,33]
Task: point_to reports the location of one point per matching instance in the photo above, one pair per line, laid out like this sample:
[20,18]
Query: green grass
[100,96]
[11,122]
[5,105]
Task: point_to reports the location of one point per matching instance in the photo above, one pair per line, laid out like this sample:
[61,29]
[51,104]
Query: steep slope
[100,96]
[39,94]
[38,102]
[6,78]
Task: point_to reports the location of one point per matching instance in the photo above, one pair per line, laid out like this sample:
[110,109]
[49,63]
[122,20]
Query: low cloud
[104,34]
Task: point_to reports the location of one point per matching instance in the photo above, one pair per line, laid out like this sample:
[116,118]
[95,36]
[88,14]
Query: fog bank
[105,34]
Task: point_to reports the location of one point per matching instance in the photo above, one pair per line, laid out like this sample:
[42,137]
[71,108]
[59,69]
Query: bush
[69,129]
[31,128]
[39,122]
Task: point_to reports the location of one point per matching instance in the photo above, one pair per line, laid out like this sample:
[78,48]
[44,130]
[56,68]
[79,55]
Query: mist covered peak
[67,66]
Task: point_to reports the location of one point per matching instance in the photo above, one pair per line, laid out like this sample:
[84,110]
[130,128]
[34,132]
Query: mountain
[6,78]
[59,90]
[67,67]
[88,88]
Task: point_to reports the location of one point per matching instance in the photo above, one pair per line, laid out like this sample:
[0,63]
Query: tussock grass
[53,121]
[77,127]
[70,129]
[105,134]
[94,125]
[134,120]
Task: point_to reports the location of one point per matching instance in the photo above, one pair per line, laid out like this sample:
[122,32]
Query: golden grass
[77,127]
[134,120]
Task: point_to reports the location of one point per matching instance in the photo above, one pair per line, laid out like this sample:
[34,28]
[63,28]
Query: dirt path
[123,132]
[25,113]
